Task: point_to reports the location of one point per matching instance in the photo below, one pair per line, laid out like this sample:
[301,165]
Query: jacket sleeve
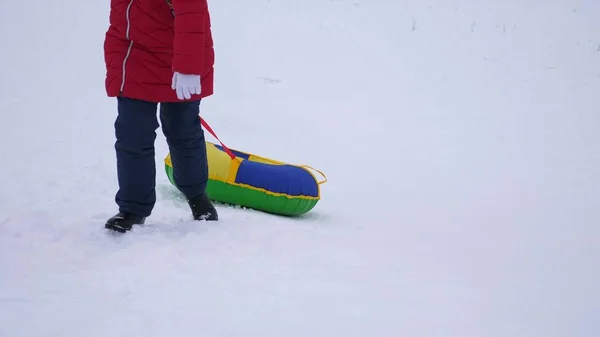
[188,42]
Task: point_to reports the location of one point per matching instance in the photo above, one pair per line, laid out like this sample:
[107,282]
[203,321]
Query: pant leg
[135,130]
[185,137]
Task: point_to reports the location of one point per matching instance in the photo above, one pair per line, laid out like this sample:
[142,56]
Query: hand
[186,85]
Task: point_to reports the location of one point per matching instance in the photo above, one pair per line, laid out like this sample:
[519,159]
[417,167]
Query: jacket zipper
[129,48]
[170,7]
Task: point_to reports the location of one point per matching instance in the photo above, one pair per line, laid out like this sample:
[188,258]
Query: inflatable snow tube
[259,183]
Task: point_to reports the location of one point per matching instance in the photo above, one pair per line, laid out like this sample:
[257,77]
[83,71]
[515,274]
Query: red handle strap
[209,129]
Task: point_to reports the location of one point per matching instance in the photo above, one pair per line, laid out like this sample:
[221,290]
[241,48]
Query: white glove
[186,85]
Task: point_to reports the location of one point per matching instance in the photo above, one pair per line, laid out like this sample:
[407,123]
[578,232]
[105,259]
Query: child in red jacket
[159,52]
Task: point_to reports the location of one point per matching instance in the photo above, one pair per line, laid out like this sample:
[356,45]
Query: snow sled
[247,180]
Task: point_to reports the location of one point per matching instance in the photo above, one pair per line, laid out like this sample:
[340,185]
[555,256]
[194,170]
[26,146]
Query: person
[159,52]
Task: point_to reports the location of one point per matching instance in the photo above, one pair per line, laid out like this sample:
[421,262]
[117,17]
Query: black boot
[123,222]
[203,209]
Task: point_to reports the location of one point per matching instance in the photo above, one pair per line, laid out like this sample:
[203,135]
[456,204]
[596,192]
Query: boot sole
[116,228]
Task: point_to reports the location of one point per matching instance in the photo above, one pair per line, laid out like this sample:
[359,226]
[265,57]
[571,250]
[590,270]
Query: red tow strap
[209,129]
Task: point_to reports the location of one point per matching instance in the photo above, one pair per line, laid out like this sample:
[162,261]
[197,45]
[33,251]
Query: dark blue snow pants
[135,130]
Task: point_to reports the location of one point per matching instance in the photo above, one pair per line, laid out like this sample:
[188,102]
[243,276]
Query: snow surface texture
[460,139]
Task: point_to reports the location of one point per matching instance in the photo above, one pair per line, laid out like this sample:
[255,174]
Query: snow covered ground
[460,139]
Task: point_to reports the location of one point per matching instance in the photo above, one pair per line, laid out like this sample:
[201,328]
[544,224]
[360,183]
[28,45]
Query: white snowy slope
[460,139]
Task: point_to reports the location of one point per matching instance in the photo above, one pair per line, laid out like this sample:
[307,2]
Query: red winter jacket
[149,39]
